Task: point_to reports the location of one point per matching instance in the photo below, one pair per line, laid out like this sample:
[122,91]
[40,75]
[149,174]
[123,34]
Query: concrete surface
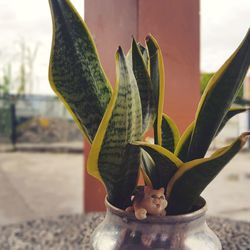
[229,193]
[56,147]
[34,185]
[39,185]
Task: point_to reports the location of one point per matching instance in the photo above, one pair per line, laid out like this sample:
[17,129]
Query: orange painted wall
[175,24]
[111,23]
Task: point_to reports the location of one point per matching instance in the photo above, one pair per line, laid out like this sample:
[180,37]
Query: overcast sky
[223,25]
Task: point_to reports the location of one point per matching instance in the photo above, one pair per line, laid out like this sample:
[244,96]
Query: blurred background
[41,149]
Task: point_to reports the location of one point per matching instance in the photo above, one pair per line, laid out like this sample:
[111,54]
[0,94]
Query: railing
[20,113]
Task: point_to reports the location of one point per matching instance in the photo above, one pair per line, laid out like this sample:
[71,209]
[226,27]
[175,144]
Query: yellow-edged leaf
[170,133]
[192,177]
[159,164]
[75,72]
[145,56]
[181,149]
[145,87]
[156,67]
[218,98]
[112,160]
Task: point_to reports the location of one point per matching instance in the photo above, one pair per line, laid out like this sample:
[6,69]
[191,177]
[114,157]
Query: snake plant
[115,120]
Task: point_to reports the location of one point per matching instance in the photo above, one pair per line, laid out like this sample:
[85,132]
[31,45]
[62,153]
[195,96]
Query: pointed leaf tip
[134,43]
[110,159]
[148,37]
[119,50]
[120,54]
[244,137]
[182,193]
[219,95]
[83,87]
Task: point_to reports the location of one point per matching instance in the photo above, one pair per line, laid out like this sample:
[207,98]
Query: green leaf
[181,149]
[204,79]
[192,177]
[242,101]
[145,56]
[231,113]
[157,77]
[75,72]
[159,164]
[111,160]
[170,133]
[183,144]
[148,169]
[218,98]
[145,88]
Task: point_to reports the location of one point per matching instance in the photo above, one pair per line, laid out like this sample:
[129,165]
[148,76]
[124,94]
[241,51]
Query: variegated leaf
[218,98]
[75,72]
[192,177]
[157,77]
[183,144]
[148,169]
[182,147]
[170,133]
[145,56]
[159,164]
[145,88]
[111,160]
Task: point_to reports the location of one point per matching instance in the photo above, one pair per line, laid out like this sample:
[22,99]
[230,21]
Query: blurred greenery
[17,73]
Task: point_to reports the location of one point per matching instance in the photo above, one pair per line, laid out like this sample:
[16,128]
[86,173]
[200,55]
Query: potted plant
[115,122]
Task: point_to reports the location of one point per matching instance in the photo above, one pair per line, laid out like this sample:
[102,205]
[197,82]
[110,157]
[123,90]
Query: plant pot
[121,230]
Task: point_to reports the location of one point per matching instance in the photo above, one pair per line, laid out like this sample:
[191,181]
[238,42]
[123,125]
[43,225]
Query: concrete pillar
[175,24]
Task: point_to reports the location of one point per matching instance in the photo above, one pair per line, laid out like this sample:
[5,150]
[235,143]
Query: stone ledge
[72,232]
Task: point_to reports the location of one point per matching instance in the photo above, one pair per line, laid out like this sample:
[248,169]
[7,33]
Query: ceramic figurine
[148,202]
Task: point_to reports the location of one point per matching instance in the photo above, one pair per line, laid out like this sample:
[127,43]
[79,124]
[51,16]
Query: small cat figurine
[148,201]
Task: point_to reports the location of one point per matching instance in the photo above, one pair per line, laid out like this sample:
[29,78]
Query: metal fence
[30,117]
[33,105]
[6,123]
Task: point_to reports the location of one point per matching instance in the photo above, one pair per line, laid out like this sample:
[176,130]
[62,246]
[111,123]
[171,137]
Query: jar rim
[200,212]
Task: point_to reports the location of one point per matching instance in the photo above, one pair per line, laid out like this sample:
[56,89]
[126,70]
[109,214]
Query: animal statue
[148,201]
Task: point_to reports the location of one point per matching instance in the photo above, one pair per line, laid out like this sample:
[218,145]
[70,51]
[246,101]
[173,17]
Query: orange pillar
[175,24]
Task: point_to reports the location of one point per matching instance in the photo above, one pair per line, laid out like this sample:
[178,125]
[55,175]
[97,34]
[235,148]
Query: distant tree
[21,80]
[5,82]
[16,78]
